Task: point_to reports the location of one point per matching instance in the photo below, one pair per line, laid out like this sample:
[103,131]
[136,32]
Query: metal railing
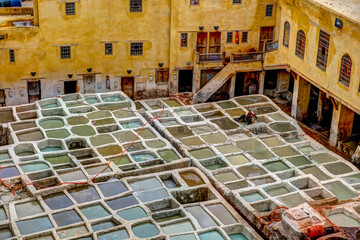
[209,57]
[246,57]
[272,46]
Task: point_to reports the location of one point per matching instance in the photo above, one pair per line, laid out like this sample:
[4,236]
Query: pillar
[301,97]
[295,96]
[232,86]
[262,82]
[196,78]
[173,82]
[341,124]
[283,79]
[320,106]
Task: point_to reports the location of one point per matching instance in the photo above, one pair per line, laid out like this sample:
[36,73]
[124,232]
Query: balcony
[246,57]
[19,16]
[209,57]
[25,9]
[272,46]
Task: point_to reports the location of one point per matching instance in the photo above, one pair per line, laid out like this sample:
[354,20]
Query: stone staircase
[215,83]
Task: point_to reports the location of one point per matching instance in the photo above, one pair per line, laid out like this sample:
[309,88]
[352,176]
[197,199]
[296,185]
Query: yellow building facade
[207,48]
[313,19]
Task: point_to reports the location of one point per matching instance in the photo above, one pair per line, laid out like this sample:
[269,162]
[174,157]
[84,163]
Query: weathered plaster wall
[283,81]
[37,48]
[160,26]
[248,16]
[311,18]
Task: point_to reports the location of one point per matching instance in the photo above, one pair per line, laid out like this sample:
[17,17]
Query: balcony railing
[272,46]
[16,11]
[209,57]
[246,57]
[26,23]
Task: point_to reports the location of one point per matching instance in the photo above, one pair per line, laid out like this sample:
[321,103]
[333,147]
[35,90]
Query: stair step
[215,83]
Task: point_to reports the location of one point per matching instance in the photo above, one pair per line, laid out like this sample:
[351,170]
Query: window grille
[345,70]
[286,39]
[269,10]
[12,55]
[135,5]
[70,8]
[300,44]
[323,50]
[244,37]
[65,52]
[136,49]
[229,38]
[108,48]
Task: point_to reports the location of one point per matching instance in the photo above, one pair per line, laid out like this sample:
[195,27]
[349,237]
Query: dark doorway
[353,141]
[271,79]
[2,98]
[185,80]
[291,83]
[312,114]
[70,87]
[89,83]
[239,84]
[34,91]
[207,75]
[251,83]
[127,86]
[326,114]
[356,125]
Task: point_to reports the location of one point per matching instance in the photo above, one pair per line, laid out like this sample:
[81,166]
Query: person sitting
[247,117]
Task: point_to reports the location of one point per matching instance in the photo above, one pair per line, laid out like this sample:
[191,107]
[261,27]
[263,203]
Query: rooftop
[349,8]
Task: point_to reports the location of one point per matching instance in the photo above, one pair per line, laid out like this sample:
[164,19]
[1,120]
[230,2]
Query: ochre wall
[37,48]
[248,16]
[311,18]
[159,26]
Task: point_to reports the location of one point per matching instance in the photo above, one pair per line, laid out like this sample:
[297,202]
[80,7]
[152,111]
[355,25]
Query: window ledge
[322,69]
[343,85]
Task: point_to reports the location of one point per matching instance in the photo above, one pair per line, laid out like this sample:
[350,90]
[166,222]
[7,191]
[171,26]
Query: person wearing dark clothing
[247,117]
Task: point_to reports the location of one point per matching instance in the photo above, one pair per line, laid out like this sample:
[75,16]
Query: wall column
[301,99]
[174,81]
[320,106]
[232,86]
[295,96]
[283,79]
[262,82]
[341,124]
[36,12]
